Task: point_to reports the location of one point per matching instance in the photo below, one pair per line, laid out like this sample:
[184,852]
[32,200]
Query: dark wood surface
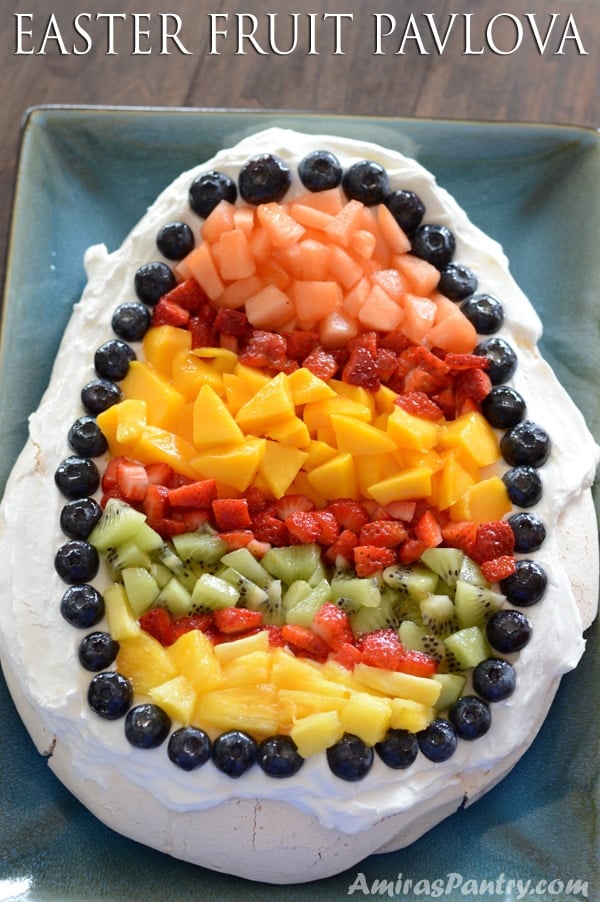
[557,85]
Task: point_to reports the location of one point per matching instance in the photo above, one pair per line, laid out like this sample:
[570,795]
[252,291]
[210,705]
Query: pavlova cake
[310,511]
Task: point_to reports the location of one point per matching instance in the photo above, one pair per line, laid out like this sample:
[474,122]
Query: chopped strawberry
[369,559]
[257,548]
[422,370]
[156,503]
[132,480]
[159,474]
[395,341]
[332,624]
[304,643]
[386,363]
[276,639]
[417,663]
[189,295]
[199,494]
[347,655]
[349,513]
[303,527]
[109,477]
[268,528]
[499,568]
[419,404]
[411,550]
[321,363]
[343,547]
[365,340]
[493,540]
[157,622]
[466,361]
[401,510]
[231,322]
[202,332]
[383,533]
[256,500]
[231,513]
[189,622]
[300,344]
[168,313]
[264,349]
[381,648]
[236,620]
[361,369]
[427,529]
[461,535]
[289,504]
[237,538]
[167,527]
[446,401]
[330,528]
[471,385]
[194,518]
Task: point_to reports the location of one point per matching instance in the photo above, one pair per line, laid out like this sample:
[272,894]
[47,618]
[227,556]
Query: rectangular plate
[85,176]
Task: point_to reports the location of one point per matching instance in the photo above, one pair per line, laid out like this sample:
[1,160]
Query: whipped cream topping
[39,649]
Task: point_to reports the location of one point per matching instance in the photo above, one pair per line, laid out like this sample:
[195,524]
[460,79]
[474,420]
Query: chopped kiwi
[127,554]
[466,648]
[211,592]
[245,563]
[438,614]
[292,562]
[367,619]
[167,557]
[147,538]
[295,592]
[141,588]
[446,562]
[199,548]
[452,686]
[470,572]
[475,604]
[360,590]
[161,574]
[417,581]
[251,595]
[119,523]
[304,610]
[175,597]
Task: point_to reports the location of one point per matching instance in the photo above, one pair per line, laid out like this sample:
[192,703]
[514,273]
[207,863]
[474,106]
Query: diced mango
[409,484]
[474,437]
[145,662]
[355,393]
[213,423]
[450,482]
[357,437]
[319,413]
[193,656]
[222,359]
[122,425]
[292,432]
[336,478]
[385,399]
[318,453]
[162,343]
[161,446]
[270,405]
[306,387]
[144,383]
[374,468]
[483,501]
[411,432]
[177,697]
[235,465]
[190,373]
[279,466]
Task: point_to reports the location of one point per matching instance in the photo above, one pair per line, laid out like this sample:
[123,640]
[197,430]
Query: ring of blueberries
[525,446]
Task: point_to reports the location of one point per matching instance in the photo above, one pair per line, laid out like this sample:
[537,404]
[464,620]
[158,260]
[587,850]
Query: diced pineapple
[317,732]
[303,703]
[290,672]
[248,670]
[254,709]
[121,622]
[214,425]
[145,662]
[399,685]
[177,697]
[410,715]
[367,716]
[226,652]
[193,657]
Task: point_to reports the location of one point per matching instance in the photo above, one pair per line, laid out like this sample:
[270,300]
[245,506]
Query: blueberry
[502,360]
[189,748]
[234,752]
[77,477]
[494,679]
[79,516]
[398,749]
[367,182]
[523,485]
[97,651]
[112,359]
[529,531]
[264,179]
[508,630]
[457,282]
[320,171]
[86,438]
[152,280]
[526,443]
[484,312]
[82,606]
[175,240]
[110,694]
[131,320]
[278,756]
[434,243]
[147,726]
[527,585]
[470,717]
[99,395]
[406,207]
[438,741]
[207,190]
[503,407]
[350,758]
[76,561]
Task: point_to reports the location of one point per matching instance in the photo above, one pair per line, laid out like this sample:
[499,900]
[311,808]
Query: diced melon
[280,227]
[392,231]
[421,275]
[329,201]
[452,331]
[219,220]
[392,283]
[235,258]
[336,329]
[269,309]
[354,299]
[202,267]
[237,293]
[419,316]
[346,222]
[379,311]
[313,300]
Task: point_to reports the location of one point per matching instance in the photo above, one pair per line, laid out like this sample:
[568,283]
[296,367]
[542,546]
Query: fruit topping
[350,758]
[147,726]
[82,606]
[86,438]
[320,170]
[77,477]
[494,679]
[100,394]
[189,748]
[112,359]
[470,717]
[457,282]
[234,752]
[502,360]
[398,749]
[438,741]
[97,651]
[526,443]
[503,407]
[406,208]
[131,320]
[484,311]
[508,630]
[524,485]
[434,243]
[529,531]
[110,694]
[367,182]
[79,516]
[152,280]
[526,586]
[264,179]
[208,190]
[278,756]
[76,561]
[175,240]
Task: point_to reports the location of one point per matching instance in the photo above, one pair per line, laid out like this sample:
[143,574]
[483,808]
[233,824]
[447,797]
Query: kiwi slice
[127,554]
[446,562]
[466,648]
[199,548]
[251,595]
[175,598]
[361,591]
[141,588]
[292,562]
[475,604]
[439,616]
[119,523]
[452,686]
[470,572]
[367,619]
[167,557]
[304,610]
[211,592]
[417,581]
[246,564]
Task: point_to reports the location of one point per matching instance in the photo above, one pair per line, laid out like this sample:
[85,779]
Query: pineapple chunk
[303,703]
[410,715]
[226,652]
[290,672]
[192,656]
[145,662]
[254,709]
[252,668]
[177,697]
[367,716]
[121,622]
[399,685]
[317,732]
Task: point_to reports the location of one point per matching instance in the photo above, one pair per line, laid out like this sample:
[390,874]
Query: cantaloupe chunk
[269,309]
[346,222]
[379,311]
[310,217]
[202,267]
[235,258]
[452,331]
[419,316]
[392,282]
[280,227]
[314,300]
[219,220]
[393,234]
[337,328]
[354,299]
[314,259]
[243,219]
[344,268]
[237,293]
[362,242]
[329,201]
[422,276]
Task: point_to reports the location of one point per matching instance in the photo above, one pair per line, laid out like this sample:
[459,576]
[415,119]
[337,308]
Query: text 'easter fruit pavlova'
[289,553]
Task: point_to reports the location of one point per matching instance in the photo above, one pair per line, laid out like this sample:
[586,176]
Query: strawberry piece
[231,513]
[471,385]
[365,340]
[202,332]
[461,535]
[156,503]
[419,404]
[236,620]
[427,529]
[417,663]
[168,313]
[343,547]
[189,295]
[231,322]
[268,528]
[349,513]
[199,494]
[289,504]
[321,363]
[422,370]
[383,533]
[466,361]
[167,527]
[329,527]
[256,500]
[386,363]
[304,643]
[401,510]
[395,341]
[332,624]
[446,401]
[109,477]
[193,518]
[369,559]
[265,349]
[189,622]
[159,474]
[499,568]
[157,622]
[132,480]
[347,655]
[300,344]
[303,527]
[411,550]
[493,540]
[237,538]
[361,369]
[276,639]
[381,648]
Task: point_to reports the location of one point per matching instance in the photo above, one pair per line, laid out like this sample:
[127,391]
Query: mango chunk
[162,343]
[161,446]
[190,373]
[336,478]
[318,453]
[450,482]
[292,432]
[474,438]
[357,437]
[235,465]
[270,405]
[144,383]
[122,425]
[409,484]
[213,423]
[411,432]
[306,387]
[222,359]
[279,466]
[482,501]
[318,414]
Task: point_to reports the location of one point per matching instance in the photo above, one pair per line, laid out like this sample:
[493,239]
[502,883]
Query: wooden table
[523,64]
